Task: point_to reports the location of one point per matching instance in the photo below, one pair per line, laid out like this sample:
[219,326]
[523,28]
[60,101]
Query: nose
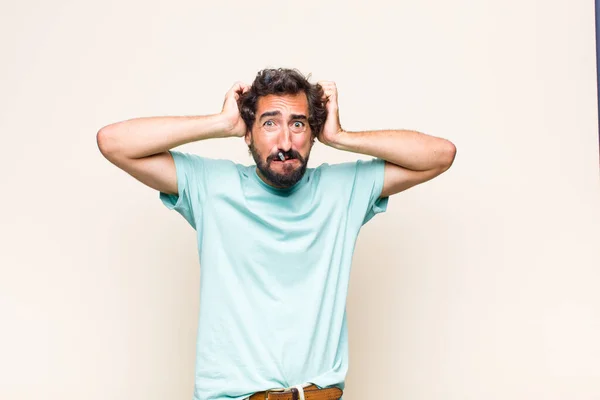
[285,139]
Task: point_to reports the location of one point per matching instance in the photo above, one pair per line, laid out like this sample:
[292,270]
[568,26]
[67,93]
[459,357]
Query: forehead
[287,103]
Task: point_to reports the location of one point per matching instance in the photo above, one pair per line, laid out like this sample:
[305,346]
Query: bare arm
[140,146]
[146,136]
[411,157]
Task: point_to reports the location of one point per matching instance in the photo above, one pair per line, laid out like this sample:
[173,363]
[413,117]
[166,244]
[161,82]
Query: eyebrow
[274,113]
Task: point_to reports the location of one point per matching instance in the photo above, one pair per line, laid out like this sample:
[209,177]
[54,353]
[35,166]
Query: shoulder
[196,161]
[352,168]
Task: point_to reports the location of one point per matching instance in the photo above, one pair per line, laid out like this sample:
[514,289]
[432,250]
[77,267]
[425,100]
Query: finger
[329,90]
[327,84]
[243,88]
[235,91]
[330,93]
[236,87]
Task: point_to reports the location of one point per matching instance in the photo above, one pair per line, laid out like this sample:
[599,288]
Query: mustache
[288,155]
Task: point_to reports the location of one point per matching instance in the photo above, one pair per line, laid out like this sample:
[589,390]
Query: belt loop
[267,393]
[300,391]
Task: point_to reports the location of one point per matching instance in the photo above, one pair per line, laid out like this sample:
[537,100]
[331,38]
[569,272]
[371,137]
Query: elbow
[105,141]
[448,154]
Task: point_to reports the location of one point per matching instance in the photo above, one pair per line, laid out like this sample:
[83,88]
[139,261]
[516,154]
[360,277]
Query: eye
[298,127]
[269,123]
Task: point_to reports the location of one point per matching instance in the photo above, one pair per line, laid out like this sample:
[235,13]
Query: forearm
[141,137]
[409,149]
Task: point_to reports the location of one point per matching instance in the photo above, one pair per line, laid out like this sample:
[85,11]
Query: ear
[248,137]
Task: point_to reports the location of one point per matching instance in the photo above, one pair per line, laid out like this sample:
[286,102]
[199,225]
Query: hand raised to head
[231,111]
[331,128]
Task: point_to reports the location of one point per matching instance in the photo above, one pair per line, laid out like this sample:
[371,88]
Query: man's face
[281,124]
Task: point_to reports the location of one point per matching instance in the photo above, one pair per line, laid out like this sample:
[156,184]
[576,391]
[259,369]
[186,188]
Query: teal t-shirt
[274,270]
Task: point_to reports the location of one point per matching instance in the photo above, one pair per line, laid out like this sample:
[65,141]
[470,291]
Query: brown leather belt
[311,392]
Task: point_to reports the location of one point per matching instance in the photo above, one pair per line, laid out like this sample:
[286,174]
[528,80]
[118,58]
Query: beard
[291,174]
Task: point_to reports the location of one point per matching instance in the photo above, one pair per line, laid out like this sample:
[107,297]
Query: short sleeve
[190,187]
[358,185]
[369,184]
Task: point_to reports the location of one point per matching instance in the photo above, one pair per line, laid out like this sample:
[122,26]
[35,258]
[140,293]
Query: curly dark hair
[283,81]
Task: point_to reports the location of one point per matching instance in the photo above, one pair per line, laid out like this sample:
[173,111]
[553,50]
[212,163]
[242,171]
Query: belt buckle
[273,390]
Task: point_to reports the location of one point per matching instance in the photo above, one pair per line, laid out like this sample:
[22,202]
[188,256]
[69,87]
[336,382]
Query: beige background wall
[481,284]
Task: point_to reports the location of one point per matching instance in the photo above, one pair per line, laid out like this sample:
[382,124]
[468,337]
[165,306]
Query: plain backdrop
[480,284]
